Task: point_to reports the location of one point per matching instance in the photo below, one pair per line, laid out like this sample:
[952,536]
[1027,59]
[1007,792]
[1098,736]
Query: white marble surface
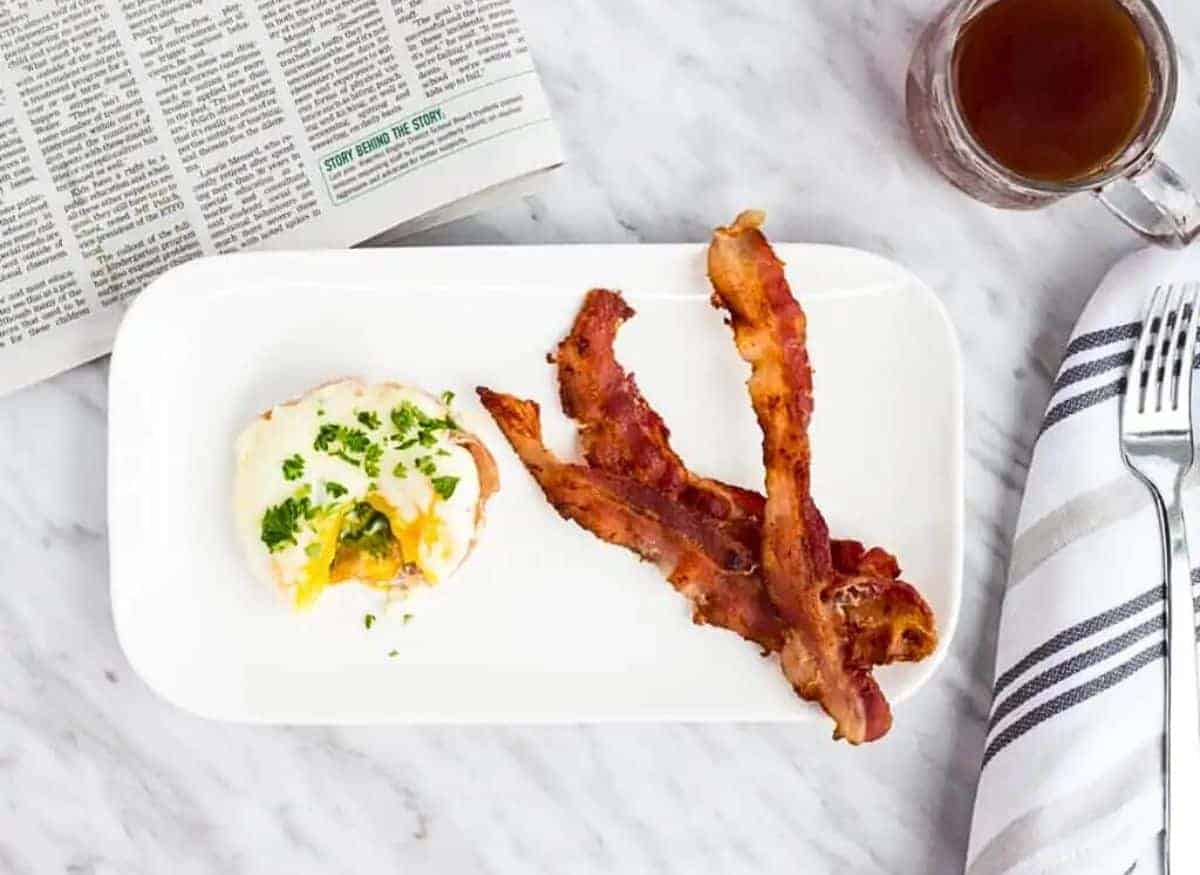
[674,116]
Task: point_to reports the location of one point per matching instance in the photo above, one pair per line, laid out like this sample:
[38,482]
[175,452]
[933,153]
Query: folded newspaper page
[138,134]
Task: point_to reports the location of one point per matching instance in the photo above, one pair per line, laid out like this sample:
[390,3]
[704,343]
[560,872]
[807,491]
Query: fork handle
[1182,699]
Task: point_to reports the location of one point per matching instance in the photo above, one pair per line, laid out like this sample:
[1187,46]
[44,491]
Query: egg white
[435,533]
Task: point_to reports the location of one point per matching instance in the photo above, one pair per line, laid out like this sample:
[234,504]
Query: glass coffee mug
[1021,103]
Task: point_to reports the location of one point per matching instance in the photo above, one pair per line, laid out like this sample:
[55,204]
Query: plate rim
[187,279]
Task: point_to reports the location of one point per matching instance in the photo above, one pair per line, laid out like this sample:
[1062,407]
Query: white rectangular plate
[544,622]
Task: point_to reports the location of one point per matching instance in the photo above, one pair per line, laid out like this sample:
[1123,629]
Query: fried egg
[354,482]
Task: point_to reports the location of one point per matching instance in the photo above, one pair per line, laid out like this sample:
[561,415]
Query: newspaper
[138,134]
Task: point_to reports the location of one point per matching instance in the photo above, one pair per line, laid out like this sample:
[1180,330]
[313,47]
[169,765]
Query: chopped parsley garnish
[293,467]
[369,418]
[347,444]
[406,618]
[444,486]
[442,452]
[393,653]
[371,460]
[369,620]
[354,439]
[281,522]
[405,416]
[425,465]
[427,439]
[408,415]
[326,436]
[399,471]
[447,397]
[335,490]
[402,444]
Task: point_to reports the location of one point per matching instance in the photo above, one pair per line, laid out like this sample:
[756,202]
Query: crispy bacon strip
[620,433]
[698,559]
[705,535]
[885,617]
[797,563]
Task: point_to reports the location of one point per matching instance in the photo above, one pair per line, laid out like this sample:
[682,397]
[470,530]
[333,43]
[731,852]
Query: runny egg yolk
[336,559]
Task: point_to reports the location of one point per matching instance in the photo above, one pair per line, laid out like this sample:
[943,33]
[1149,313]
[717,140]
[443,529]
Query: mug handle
[1155,202]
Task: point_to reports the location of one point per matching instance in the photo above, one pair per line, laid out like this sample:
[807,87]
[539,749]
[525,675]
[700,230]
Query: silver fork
[1156,443]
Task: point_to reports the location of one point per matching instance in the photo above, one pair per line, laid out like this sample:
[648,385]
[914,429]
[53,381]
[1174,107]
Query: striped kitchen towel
[1071,776]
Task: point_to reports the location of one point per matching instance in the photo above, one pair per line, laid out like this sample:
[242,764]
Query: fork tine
[1135,388]
[1161,344]
[1172,337]
[1190,300]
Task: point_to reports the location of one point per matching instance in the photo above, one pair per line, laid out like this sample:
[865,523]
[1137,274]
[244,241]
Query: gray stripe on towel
[1053,823]
[1086,629]
[1114,501]
[1074,665]
[1081,402]
[1094,368]
[1103,337]
[1066,701]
